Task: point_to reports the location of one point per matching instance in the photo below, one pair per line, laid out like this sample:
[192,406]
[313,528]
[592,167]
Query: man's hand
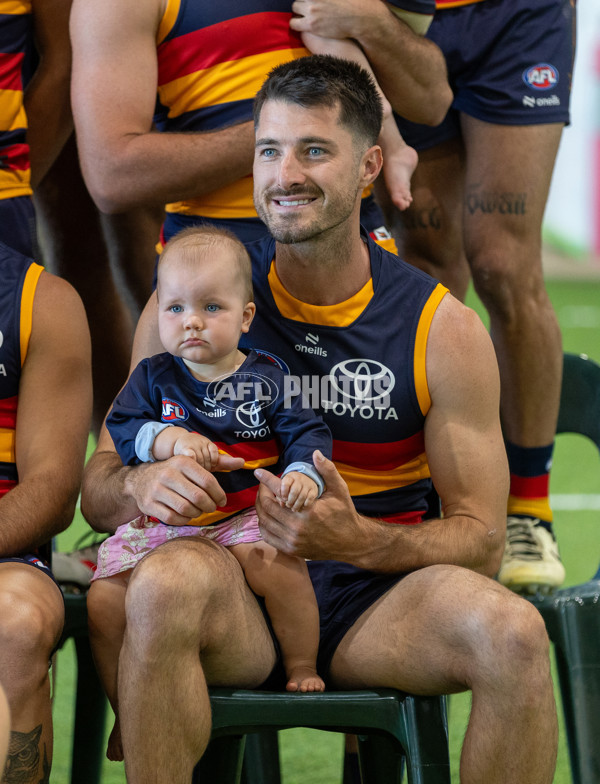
[328,530]
[335,18]
[178,489]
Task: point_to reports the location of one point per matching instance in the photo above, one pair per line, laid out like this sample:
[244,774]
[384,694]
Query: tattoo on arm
[23,760]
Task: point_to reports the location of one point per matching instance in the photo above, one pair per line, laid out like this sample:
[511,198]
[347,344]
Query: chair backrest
[580,397]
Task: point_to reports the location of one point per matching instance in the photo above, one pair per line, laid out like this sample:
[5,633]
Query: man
[206,61]
[39,83]
[479,191]
[45,405]
[406,379]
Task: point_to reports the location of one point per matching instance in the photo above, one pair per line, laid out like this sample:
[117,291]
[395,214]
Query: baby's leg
[106,618]
[290,600]
[399,163]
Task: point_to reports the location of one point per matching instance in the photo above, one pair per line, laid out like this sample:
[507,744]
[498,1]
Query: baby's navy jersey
[361,365]
[248,414]
[19,276]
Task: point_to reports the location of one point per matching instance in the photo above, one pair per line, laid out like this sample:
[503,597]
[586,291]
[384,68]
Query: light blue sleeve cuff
[144,441]
[309,470]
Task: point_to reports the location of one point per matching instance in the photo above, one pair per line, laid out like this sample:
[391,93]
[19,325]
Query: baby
[207,400]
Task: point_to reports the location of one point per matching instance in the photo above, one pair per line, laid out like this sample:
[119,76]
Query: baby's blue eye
[176,309]
[212,308]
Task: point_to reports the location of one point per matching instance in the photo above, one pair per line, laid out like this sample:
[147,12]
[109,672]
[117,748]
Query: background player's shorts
[510,62]
[17,225]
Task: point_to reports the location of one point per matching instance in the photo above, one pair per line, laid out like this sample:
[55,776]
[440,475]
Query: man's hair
[323,80]
[207,237]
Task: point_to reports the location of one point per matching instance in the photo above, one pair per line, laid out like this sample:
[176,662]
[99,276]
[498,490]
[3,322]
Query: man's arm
[114,84]
[468,467]
[410,69]
[55,402]
[47,99]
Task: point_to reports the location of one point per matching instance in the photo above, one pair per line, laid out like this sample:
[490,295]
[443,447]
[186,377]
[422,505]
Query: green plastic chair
[90,702]
[572,615]
[390,725]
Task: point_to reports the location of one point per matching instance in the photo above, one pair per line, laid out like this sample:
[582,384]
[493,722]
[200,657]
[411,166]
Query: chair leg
[221,762]
[380,759]
[261,758]
[90,719]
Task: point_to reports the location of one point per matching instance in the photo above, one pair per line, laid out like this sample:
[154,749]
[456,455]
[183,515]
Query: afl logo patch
[172,410]
[541,76]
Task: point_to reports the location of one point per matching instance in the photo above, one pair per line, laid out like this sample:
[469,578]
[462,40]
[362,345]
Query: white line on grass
[575,502]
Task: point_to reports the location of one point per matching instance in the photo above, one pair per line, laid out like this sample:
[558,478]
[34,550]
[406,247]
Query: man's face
[307,171]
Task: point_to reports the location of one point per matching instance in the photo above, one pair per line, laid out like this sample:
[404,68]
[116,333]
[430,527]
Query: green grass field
[311,757]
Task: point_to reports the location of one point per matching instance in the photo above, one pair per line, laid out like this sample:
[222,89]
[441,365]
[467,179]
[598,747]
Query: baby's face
[202,310]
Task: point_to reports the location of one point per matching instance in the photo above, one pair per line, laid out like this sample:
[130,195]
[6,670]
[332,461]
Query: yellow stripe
[362,481]
[7,445]
[530,507]
[168,20]
[14,183]
[235,80]
[420,372]
[29,286]
[389,245]
[339,315]
[232,201]
[210,518]
[16,7]
[11,102]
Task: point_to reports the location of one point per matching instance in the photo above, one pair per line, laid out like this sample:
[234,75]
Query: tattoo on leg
[23,759]
[422,219]
[488,202]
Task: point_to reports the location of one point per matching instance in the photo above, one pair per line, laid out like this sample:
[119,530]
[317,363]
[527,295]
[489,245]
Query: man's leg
[445,629]
[429,233]
[31,620]
[508,173]
[191,620]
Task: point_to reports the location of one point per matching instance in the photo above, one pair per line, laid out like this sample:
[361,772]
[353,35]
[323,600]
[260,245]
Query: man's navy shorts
[510,62]
[343,594]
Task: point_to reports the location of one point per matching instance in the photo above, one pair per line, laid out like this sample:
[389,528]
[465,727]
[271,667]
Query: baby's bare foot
[398,169]
[304,679]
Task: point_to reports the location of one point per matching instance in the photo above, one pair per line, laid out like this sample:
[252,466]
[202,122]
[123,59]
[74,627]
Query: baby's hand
[298,491]
[200,448]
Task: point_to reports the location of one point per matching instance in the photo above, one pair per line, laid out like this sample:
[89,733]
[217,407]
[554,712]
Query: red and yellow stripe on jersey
[19,280]
[15,33]
[212,59]
[441,4]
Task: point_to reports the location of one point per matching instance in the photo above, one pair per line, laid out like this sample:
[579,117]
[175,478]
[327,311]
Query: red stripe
[10,71]
[251,451]
[6,485]
[240,500]
[529,486]
[379,456]
[404,518]
[241,37]
[16,157]
[8,412]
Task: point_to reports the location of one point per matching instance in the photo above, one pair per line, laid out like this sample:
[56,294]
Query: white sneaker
[531,563]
